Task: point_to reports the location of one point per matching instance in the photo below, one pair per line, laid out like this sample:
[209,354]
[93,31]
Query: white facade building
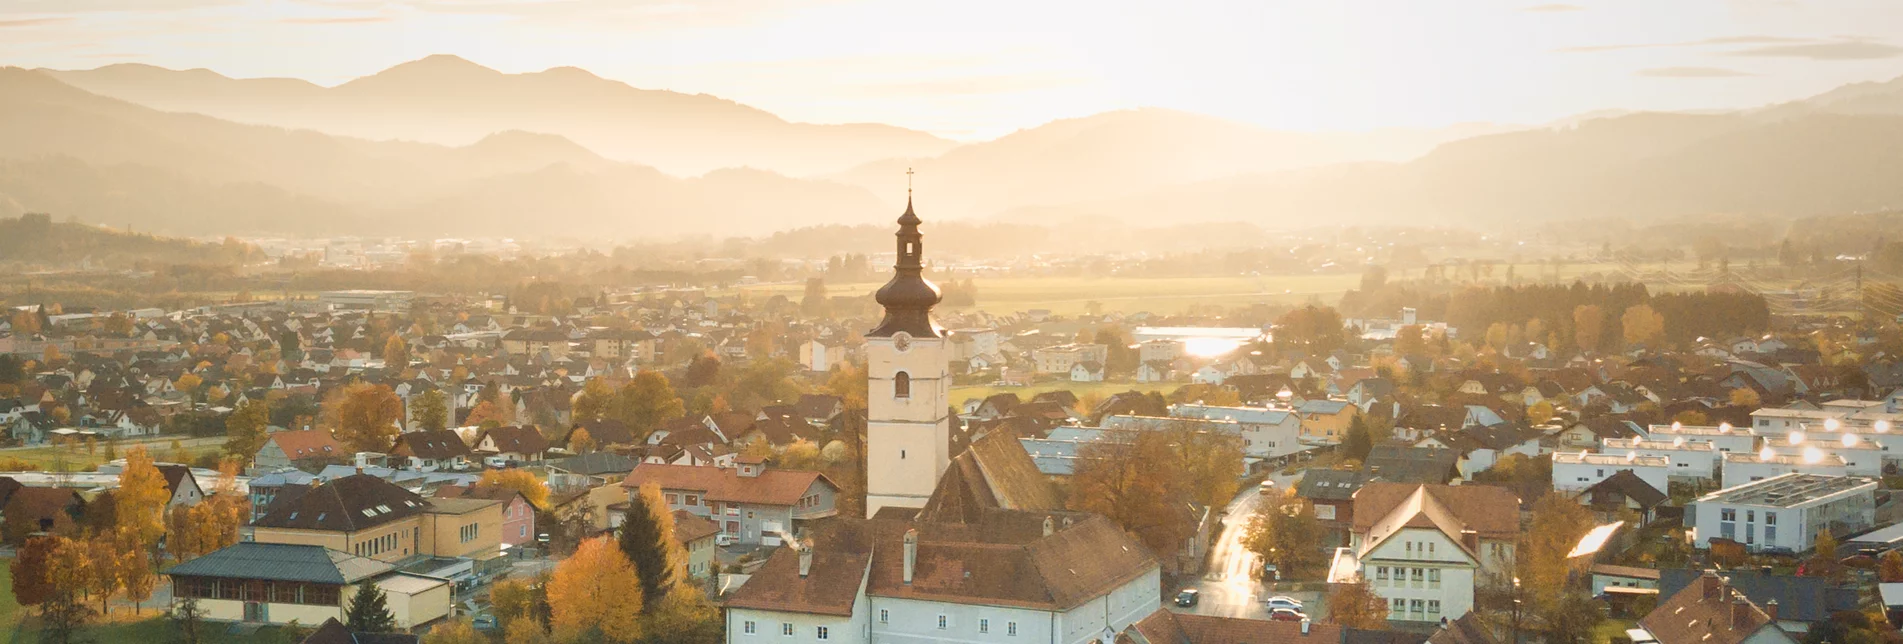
[1724,438]
[1575,471]
[1689,460]
[1426,552]
[1267,433]
[1785,511]
[1744,468]
[908,397]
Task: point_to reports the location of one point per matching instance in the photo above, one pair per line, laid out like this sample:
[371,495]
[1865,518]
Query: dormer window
[902,385]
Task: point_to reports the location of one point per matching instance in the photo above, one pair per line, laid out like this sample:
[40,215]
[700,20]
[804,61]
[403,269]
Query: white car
[724,539]
[1283,601]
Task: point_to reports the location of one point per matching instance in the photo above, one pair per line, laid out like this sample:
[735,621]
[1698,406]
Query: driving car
[1267,486]
[1283,601]
[1188,597]
[1286,615]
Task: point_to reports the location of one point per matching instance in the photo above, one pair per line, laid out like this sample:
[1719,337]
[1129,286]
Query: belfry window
[902,385]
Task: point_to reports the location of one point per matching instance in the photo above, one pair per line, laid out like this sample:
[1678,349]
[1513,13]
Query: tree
[1411,340]
[245,429]
[1691,417]
[103,568]
[801,454]
[135,573]
[488,414]
[687,617]
[520,480]
[1557,525]
[848,381]
[68,571]
[369,611]
[647,540]
[1359,441]
[525,631]
[1131,483]
[365,417]
[431,410]
[1642,326]
[32,584]
[1745,397]
[189,619]
[1354,605]
[396,352]
[1315,329]
[141,498]
[813,300]
[1540,413]
[594,402]
[596,593]
[702,371]
[1890,567]
[581,442]
[456,631]
[188,383]
[1587,324]
[513,599]
[1286,534]
[647,401]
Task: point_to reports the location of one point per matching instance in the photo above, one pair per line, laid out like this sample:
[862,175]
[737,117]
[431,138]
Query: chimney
[911,553]
[1471,538]
[1305,626]
[1740,612]
[1067,523]
[806,557]
[1770,609]
[1050,526]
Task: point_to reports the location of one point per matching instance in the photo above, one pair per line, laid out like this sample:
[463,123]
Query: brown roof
[831,585]
[689,527]
[1466,630]
[779,430]
[1493,512]
[341,506]
[605,432]
[771,487]
[308,443]
[43,505]
[994,473]
[438,445]
[515,438]
[1706,612]
[176,475]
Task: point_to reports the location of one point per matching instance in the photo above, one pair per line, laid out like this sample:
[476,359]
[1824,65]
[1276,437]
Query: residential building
[276,583]
[517,444]
[754,504]
[369,517]
[1689,460]
[1425,548]
[1723,438]
[1061,358]
[1573,472]
[1267,434]
[1326,420]
[1786,511]
[1767,464]
[696,536]
[1710,612]
[429,451]
[306,448]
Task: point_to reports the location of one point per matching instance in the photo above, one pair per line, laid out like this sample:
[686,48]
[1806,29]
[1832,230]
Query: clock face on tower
[901,341]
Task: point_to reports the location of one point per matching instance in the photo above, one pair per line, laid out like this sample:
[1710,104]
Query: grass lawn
[9,609]
[1072,295]
[1606,630]
[76,459]
[153,627]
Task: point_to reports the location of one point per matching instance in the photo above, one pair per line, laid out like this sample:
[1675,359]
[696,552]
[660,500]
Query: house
[589,470]
[1709,611]
[605,433]
[1801,601]
[753,503]
[1623,492]
[1611,576]
[1426,548]
[307,448]
[41,509]
[517,444]
[1326,420]
[182,484]
[1270,435]
[518,515]
[1155,371]
[1332,492]
[372,518]
[1401,464]
[429,451]
[280,583]
[696,536]
[1738,468]
[1060,358]
[1689,461]
[1087,371]
[1574,472]
[1785,512]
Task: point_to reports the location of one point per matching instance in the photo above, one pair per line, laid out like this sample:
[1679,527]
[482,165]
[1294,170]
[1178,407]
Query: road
[1228,589]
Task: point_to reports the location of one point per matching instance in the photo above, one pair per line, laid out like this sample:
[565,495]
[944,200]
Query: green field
[1072,295]
[75,458]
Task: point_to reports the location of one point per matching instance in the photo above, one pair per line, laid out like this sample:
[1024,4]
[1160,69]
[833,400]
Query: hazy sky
[979,68]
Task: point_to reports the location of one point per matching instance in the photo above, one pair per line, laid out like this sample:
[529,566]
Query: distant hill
[1128,152]
[35,239]
[452,101]
[1636,166]
[72,153]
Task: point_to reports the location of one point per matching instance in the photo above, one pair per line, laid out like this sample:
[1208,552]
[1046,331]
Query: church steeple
[908,298]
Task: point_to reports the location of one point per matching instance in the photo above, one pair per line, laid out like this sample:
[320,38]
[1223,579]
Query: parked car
[485,623]
[1283,601]
[1188,597]
[1286,615]
[1267,486]
[495,462]
[724,539]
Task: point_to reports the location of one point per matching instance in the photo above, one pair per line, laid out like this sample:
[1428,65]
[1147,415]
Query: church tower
[908,407]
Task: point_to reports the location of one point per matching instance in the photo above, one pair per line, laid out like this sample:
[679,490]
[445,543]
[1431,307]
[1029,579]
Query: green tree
[1359,441]
[189,619]
[245,430]
[430,410]
[369,611]
[647,539]
[1287,535]
[813,302]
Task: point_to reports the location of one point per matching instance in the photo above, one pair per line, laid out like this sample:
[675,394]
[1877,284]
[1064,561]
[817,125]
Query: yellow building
[369,517]
[275,583]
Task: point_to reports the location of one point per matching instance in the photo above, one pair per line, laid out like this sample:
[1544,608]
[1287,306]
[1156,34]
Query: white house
[1425,548]
[1576,471]
[1267,434]
[1744,468]
[1724,438]
[1689,460]
[1784,511]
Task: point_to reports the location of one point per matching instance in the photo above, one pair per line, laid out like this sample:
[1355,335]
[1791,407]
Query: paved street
[1228,589]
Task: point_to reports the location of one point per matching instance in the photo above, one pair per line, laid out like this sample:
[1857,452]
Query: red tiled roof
[1493,512]
[309,443]
[689,527]
[771,487]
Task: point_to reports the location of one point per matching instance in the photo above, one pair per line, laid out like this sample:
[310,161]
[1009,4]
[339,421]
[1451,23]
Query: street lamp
[1516,611]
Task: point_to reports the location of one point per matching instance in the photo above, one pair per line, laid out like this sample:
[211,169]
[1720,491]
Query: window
[1381,573]
[1011,628]
[1400,606]
[747,627]
[1750,516]
[902,385]
[470,532]
[885,616]
[1416,606]
[673,499]
[786,628]
[1727,515]
[1430,547]
[1410,548]
[942,622]
[984,625]
[1433,578]
[1433,607]
[820,632]
[693,499]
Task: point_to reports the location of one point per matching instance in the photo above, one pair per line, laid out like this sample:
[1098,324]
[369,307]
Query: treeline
[1557,313]
[34,238]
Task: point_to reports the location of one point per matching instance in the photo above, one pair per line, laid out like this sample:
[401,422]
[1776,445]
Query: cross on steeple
[908,184]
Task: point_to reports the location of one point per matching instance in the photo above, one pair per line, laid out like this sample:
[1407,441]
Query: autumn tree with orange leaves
[365,416]
[596,595]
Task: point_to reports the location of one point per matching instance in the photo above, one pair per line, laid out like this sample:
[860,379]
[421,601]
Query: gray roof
[1799,599]
[1330,485]
[594,463]
[282,562]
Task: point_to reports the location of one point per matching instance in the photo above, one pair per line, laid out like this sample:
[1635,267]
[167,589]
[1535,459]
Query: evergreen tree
[647,538]
[1359,440]
[369,611]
